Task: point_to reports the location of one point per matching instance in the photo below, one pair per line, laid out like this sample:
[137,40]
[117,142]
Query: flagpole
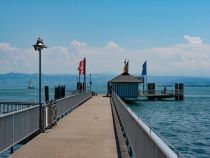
[144,75]
[146,85]
[79,74]
[84,74]
[146,78]
[143,84]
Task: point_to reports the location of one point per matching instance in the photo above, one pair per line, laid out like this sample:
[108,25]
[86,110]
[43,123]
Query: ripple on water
[185,124]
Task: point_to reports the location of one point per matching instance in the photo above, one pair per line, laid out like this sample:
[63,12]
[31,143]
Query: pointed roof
[126,78]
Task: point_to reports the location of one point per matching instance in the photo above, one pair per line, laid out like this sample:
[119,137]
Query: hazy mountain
[188,81]
[98,80]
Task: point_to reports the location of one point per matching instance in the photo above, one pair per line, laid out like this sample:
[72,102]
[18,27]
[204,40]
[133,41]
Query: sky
[173,36]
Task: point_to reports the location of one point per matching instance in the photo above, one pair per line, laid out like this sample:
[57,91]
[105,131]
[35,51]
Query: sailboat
[30,85]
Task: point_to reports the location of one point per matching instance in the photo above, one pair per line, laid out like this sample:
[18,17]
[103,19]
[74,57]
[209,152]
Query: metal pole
[84,74]
[143,84]
[40,104]
[38,47]
[146,85]
[79,76]
[90,82]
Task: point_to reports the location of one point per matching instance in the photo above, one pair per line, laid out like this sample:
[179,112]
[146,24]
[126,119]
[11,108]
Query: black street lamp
[38,47]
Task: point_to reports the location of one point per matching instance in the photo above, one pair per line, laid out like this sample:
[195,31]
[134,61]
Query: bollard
[56,93]
[151,90]
[181,91]
[176,91]
[61,91]
[64,91]
[46,94]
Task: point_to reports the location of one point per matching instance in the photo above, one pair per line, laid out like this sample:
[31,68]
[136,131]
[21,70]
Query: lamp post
[38,47]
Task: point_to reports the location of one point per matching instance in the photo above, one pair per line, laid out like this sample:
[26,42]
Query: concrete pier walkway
[85,132]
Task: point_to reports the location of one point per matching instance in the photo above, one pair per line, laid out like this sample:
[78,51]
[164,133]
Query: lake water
[184,124]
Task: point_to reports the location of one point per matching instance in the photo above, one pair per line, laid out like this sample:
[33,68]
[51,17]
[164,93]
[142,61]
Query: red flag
[82,67]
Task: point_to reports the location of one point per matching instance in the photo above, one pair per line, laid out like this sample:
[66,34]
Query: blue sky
[107,32]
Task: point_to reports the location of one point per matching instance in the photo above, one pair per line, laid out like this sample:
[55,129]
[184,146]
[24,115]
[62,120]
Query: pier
[86,132]
[81,125]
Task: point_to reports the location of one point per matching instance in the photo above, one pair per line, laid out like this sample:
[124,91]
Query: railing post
[46,94]
[42,118]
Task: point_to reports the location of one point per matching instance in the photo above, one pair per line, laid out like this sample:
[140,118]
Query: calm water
[13,87]
[184,124]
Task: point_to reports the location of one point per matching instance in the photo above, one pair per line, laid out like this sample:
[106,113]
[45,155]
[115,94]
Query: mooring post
[59,91]
[176,91]
[46,94]
[181,91]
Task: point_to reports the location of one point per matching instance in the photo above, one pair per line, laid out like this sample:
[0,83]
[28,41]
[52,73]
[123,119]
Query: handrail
[18,125]
[140,135]
[17,103]
[67,104]
[18,111]
[59,108]
[8,106]
[159,135]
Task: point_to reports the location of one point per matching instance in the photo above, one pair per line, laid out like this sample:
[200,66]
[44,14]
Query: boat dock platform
[160,95]
[152,94]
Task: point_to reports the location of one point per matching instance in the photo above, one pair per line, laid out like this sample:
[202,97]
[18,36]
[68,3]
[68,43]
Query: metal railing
[7,107]
[143,140]
[65,105]
[180,155]
[50,115]
[18,125]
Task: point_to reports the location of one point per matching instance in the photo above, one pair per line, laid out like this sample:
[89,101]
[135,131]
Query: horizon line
[194,76]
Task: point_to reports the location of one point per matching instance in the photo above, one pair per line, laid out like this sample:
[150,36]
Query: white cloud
[76,43]
[81,48]
[113,46]
[5,47]
[180,59]
[193,40]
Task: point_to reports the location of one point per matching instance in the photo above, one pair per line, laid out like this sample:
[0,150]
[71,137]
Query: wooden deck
[86,132]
